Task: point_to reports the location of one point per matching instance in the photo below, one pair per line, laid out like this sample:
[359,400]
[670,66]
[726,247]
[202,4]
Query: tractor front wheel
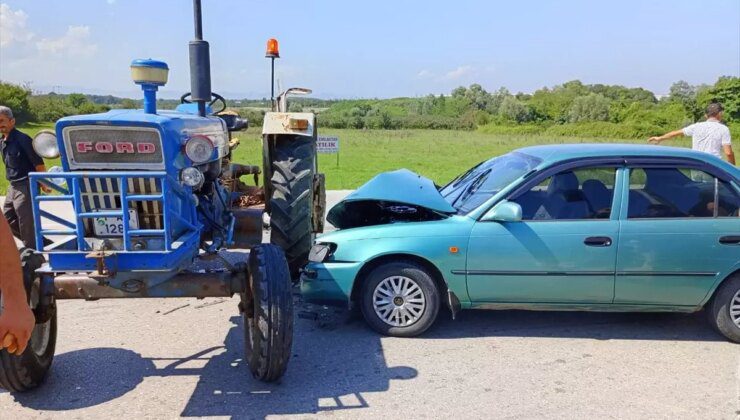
[268,313]
[27,371]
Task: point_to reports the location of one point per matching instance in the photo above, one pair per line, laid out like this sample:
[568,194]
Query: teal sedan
[558,227]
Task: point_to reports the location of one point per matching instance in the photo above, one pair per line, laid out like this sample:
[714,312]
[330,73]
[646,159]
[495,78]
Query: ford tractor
[160,209]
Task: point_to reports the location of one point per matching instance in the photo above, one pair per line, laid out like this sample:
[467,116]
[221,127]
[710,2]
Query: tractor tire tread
[291,201]
[273,313]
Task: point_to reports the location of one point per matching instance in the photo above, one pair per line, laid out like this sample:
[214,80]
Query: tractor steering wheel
[216,98]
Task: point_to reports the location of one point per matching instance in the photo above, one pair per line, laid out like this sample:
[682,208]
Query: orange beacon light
[273,51]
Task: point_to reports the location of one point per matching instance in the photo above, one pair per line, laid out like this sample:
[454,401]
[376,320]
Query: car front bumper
[329,283]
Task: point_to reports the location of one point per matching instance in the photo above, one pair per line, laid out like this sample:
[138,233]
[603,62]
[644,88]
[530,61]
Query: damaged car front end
[402,222]
[390,215]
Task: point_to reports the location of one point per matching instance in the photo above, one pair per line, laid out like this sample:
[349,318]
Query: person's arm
[16,319]
[727,148]
[42,168]
[666,136]
[36,160]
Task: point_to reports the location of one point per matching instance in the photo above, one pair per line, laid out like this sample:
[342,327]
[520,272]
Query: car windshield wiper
[472,187]
[458,179]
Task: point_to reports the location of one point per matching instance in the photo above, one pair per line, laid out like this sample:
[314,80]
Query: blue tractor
[160,208]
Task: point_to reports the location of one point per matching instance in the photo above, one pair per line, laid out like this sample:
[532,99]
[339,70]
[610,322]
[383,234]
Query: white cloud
[110,1]
[424,74]
[13,26]
[75,42]
[459,73]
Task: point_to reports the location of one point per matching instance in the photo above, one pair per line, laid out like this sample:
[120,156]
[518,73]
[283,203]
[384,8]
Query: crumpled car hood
[395,189]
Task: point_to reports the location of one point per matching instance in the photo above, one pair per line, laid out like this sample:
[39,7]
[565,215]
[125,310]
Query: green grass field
[436,154]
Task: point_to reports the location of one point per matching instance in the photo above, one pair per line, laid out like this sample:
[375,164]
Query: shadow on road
[332,366]
[594,325]
[333,363]
[88,377]
[336,359]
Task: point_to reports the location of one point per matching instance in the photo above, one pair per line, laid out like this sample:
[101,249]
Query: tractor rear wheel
[268,313]
[27,371]
[290,196]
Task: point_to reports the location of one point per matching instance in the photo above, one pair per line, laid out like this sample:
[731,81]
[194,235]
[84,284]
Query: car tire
[402,313]
[27,371]
[720,309]
[268,313]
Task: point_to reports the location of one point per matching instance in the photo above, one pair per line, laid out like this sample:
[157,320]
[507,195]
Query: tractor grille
[104,194]
[96,147]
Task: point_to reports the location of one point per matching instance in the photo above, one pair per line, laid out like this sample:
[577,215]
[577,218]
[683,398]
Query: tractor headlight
[58,181]
[45,144]
[321,251]
[192,177]
[199,149]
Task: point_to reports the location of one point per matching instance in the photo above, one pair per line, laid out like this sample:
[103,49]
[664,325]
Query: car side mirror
[505,211]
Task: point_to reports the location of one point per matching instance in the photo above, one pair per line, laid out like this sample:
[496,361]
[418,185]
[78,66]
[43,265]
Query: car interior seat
[564,199]
[672,187]
[597,194]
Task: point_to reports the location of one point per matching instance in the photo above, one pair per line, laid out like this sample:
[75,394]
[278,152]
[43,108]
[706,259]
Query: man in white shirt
[710,136]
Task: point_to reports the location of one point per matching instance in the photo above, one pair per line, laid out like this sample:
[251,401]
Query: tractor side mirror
[234,123]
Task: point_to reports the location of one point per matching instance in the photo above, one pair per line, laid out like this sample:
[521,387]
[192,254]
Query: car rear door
[679,233]
[563,251]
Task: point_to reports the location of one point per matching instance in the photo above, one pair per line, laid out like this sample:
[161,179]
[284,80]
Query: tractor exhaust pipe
[200,64]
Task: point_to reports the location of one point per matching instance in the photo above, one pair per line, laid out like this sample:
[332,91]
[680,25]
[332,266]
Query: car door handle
[730,240]
[598,241]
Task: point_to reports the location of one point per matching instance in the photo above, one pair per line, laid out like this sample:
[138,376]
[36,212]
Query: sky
[371,49]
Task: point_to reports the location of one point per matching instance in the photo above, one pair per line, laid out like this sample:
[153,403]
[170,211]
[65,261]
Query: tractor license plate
[113,226]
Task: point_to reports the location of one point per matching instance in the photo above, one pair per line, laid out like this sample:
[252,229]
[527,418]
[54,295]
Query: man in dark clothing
[20,159]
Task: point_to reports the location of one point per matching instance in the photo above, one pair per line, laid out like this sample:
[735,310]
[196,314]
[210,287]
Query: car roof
[553,153]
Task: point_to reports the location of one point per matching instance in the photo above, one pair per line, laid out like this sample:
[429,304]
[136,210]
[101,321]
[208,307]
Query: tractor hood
[398,196]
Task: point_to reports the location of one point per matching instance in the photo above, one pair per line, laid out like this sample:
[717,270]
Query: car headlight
[45,144]
[321,251]
[199,149]
[192,177]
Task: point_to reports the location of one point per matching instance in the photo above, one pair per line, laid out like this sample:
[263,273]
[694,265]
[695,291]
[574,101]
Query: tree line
[572,108]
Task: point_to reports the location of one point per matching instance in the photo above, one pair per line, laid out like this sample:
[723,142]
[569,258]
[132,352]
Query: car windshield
[479,183]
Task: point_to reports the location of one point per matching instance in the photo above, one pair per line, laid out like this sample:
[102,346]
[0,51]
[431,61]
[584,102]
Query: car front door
[679,235]
[562,251]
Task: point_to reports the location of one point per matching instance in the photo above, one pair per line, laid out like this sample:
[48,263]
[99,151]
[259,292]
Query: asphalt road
[162,358]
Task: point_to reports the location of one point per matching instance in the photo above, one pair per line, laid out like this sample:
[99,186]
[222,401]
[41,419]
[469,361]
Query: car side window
[583,193]
[679,192]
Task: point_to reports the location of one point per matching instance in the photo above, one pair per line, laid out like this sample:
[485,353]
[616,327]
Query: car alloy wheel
[398,301]
[735,309]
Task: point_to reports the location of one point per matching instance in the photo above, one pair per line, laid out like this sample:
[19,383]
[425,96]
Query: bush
[16,98]
[519,129]
[50,108]
[514,110]
[726,91]
[436,123]
[592,107]
[604,129]
[254,116]
[330,121]
[734,131]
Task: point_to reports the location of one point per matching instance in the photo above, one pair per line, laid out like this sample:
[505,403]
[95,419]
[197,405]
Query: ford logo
[125,147]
